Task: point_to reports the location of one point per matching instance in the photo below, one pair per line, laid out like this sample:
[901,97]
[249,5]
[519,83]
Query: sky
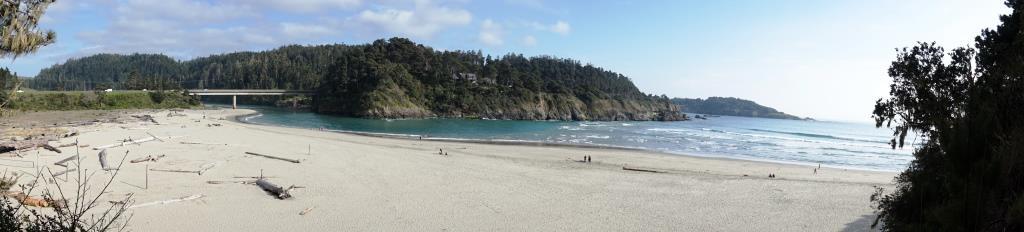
[820,59]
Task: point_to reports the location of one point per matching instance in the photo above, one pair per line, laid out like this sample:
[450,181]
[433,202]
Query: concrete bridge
[251,92]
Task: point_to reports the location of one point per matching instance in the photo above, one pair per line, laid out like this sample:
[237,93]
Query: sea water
[832,144]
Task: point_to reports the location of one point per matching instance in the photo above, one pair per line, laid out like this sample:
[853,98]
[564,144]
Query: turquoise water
[834,144]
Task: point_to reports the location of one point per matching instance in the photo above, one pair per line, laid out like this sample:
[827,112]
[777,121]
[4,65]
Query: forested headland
[394,78]
[730,106]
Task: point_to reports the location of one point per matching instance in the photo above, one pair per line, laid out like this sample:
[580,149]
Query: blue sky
[822,59]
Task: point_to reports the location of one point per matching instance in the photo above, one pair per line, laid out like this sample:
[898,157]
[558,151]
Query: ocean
[831,144]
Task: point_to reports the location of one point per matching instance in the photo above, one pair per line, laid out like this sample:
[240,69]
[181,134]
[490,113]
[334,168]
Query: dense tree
[729,106]
[387,78]
[18,33]
[968,174]
[18,36]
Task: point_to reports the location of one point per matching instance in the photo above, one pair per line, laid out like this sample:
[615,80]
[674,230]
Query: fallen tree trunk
[272,157]
[8,146]
[277,191]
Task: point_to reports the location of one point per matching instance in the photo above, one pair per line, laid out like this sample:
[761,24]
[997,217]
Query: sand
[364,183]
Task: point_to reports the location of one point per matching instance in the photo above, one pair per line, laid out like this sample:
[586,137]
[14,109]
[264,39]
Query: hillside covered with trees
[393,78]
[729,106]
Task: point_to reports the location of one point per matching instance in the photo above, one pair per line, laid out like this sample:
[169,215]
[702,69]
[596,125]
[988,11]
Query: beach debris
[641,170]
[69,144]
[145,117]
[103,161]
[206,167]
[272,157]
[9,146]
[306,211]
[132,141]
[202,143]
[65,160]
[175,114]
[134,128]
[64,172]
[188,198]
[231,182]
[174,170]
[33,201]
[51,148]
[213,125]
[202,169]
[277,191]
[147,158]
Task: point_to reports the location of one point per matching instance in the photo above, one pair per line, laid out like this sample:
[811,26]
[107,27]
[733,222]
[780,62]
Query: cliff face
[393,102]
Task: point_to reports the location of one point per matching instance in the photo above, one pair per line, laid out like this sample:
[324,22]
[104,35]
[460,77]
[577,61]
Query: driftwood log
[174,170]
[272,157]
[8,146]
[188,198]
[641,170]
[147,158]
[65,160]
[277,191]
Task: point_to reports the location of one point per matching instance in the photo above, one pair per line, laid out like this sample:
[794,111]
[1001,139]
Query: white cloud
[306,6]
[529,40]
[560,27]
[423,21]
[490,33]
[296,30]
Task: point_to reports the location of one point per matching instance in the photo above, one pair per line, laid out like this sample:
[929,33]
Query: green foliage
[82,100]
[18,33]
[968,174]
[729,106]
[388,78]
[398,78]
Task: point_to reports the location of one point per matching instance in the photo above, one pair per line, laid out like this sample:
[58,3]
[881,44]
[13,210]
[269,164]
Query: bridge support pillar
[234,101]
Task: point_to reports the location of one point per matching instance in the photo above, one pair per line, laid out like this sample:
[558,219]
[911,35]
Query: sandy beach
[362,183]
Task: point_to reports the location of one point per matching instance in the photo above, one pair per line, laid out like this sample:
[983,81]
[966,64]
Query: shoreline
[241,119]
[357,182]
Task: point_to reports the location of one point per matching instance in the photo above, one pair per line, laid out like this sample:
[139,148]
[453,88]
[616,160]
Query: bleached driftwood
[277,191]
[65,171]
[147,158]
[130,142]
[188,198]
[202,143]
[272,157]
[69,144]
[206,167]
[231,182]
[65,160]
[173,170]
[307,210]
